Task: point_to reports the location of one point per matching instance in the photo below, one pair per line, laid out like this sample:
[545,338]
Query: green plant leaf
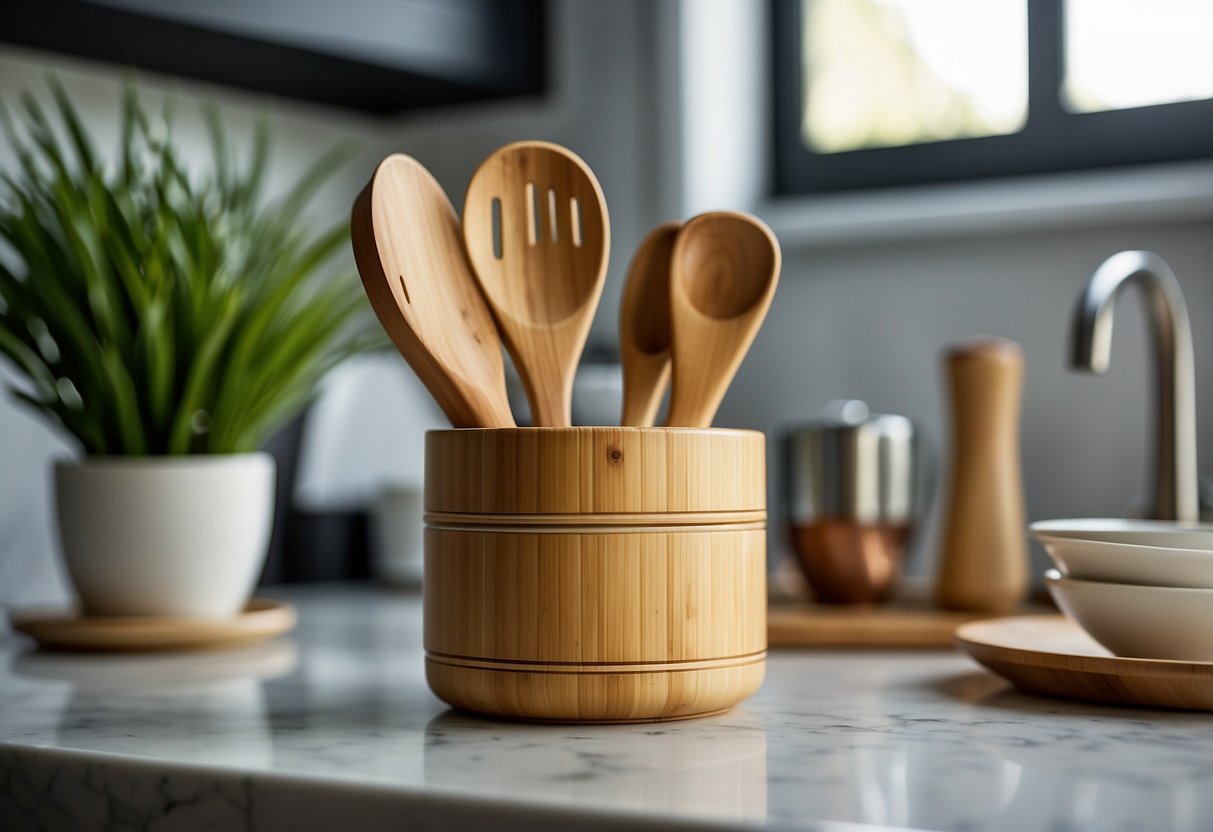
[84,147]
[193,399]
[126,405]
[259,163]
[27,361]
[158,308]
[156,344]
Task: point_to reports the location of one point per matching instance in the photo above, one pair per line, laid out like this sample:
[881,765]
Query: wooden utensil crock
[595,574]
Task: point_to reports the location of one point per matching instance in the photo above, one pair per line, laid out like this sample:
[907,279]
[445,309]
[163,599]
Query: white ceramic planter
[165,536]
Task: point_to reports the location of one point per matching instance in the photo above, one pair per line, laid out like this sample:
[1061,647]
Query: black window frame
[1052,140]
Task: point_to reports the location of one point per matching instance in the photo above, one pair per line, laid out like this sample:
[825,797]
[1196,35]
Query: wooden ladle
[410,257]
[644,326]
[536,231]
[724,271]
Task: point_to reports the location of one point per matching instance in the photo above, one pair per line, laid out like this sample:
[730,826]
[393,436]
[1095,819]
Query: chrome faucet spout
[1175,477]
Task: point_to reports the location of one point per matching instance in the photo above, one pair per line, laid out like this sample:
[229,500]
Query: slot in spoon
[537,235]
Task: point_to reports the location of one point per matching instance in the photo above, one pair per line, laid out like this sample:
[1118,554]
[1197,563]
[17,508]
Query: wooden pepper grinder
[984,562]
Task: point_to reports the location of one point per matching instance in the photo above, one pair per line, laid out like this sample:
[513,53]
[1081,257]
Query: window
[875,93]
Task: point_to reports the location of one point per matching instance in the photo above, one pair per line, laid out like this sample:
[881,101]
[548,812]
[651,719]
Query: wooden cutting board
[902,624]
[909,620]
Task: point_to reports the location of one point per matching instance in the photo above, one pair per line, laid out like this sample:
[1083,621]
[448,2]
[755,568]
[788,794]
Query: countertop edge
[54,788]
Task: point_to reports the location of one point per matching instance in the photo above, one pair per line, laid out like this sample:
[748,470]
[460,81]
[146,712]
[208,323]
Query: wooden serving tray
[66,630]
[1051,655]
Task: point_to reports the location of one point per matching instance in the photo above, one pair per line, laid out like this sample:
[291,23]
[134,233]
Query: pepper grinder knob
[984,561]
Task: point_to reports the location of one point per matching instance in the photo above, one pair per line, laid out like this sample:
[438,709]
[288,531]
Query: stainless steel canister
[851,486]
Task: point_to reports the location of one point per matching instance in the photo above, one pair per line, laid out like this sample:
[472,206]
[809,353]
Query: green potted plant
[169,322]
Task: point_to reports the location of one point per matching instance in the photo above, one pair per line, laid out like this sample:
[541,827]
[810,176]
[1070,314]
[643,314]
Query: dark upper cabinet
[378,56]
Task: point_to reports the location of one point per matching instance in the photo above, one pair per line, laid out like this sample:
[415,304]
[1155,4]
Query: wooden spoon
[410,256]
[644,326]
[537,235]
[723,275]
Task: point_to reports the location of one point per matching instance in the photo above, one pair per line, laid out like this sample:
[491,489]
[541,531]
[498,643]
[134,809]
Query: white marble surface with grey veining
[334,726]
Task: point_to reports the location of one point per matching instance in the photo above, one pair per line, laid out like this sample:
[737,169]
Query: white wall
[866,318]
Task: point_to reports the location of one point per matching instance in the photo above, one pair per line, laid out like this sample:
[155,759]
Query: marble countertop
[334,726]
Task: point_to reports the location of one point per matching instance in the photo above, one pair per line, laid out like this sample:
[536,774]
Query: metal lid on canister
[851,465]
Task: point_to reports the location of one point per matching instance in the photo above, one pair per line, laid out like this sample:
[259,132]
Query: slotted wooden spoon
[723,275]
[644,326]
[410,256]
[536,231]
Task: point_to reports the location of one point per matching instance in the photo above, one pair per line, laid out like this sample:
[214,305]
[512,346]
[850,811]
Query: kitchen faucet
[1175,477]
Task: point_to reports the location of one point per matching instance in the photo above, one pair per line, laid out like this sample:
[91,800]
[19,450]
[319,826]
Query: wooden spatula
[536,231]
[410,255]
[644,326]
[723,275]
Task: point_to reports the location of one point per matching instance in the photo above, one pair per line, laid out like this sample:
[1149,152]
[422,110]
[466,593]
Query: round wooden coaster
[60,630]
[1052,655]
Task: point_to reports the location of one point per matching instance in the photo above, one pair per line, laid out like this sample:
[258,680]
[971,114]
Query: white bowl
[1178,565]
[1142,622]
[1161,533]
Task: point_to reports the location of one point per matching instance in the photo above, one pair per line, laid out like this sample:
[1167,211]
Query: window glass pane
[1134,53]
[883,73]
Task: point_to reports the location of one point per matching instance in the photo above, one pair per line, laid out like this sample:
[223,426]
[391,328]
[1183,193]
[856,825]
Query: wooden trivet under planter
[65,630]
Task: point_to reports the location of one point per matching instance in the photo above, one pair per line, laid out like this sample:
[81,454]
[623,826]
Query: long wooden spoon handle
[644,326]
[643,388]
[550,397]
[695,411]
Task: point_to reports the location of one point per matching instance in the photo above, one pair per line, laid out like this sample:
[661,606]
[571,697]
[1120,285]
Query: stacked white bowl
[1141,588]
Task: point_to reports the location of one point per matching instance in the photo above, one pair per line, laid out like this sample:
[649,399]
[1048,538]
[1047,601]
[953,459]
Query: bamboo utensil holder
[595,574]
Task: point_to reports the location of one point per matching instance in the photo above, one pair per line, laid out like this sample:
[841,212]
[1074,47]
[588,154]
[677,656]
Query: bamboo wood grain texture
[685,521]
[409,252]
[597,598]
[1051,655]
[595,470]
[724,271]
[644,326]
[611,697]
[984,558]
[542,274]
[537,609]
[62,631]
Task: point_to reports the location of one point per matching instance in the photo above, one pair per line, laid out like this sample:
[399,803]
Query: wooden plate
[1050,654]
[60,630]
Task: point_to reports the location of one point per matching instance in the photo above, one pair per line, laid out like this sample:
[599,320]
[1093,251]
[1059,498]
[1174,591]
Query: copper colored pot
[851,485]
[850,563]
